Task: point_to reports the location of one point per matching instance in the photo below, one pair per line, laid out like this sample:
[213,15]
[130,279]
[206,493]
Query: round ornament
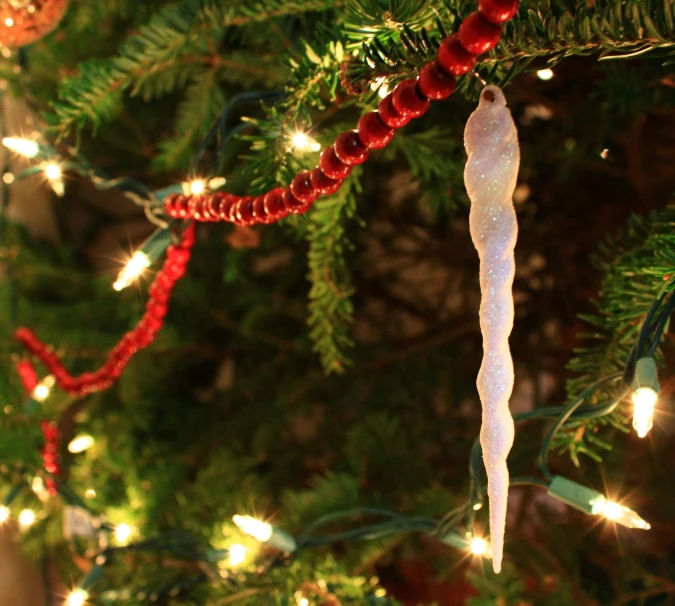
[23,22]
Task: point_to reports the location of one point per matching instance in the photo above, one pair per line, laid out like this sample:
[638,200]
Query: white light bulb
[545,74]
[80,444]
[123,533]
[53,171]
[27,518]
[303,602]
[479,547]
[132,270]
[300,140]
[4,514]
[620,514]
[237,554]
[257,529]
[644,401]
[197,187]
[77,597]
[381,87]
[24,147]
[90,493]
[43,389]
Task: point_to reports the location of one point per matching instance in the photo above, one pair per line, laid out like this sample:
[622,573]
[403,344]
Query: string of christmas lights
[197,201]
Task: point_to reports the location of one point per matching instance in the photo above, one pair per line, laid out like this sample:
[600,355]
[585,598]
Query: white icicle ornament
[491,142]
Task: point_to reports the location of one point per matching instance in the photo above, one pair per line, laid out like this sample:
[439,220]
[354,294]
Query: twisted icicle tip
[491,142]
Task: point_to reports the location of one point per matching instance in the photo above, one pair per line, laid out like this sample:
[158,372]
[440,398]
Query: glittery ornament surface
[491,142]
[23,22]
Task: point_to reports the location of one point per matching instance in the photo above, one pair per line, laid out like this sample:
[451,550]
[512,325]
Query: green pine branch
[179,34]
[330,307]
[612,28]
[638,266]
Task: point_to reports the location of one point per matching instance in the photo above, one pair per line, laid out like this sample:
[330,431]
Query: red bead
[259,212]
[222,204]
[477,35]
[302,189]
[274,205]
[454,58]
[407,101]
[245,210]
[159,293]
[165,281]
[498,11]
[28,375]
[323,184]
[26,336]
[374,133]
[170,205]
[188,236]
[434,83]
[175,270]
[159,310]
[176,254]
[181,205]
[349,149]
[389,115]
[150,325]
[207,209]
[332,166]
[294,205]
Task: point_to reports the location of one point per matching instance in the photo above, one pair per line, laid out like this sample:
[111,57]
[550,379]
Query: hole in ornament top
[488,95]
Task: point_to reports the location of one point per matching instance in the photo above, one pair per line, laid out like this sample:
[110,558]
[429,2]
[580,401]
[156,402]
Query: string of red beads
[477,34]
[51,454]
[28,376]
[142,335]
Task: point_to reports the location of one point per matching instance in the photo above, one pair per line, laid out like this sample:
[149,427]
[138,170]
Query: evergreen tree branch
[330,307]
[638,266]
[612,28]
[177,31]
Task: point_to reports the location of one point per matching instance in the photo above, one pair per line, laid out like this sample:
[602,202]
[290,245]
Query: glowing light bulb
[262,531]
[620,514]
[644,402]
[381,87]
[479,546]
[24,147]
[80,444]
[90,493]
[132,270]
[197,187]
[53,171]
[303,142]
[303,602]
[54,175]
[300,140]
[4,514]
[27,518]
[43,389]
[237,554]
[77,597]
[8,178]
[123,533]
[545,74]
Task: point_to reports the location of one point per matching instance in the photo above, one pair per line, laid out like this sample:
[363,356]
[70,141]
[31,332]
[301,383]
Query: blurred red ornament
[23,22]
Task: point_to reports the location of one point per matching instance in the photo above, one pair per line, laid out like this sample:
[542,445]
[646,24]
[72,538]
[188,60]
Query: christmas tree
[240,302]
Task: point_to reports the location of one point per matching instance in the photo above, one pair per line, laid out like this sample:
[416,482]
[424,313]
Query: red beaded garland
[454,58]
[478,35]
[434,83]
[407,101]
[374,133]
[302,188]
[349,149]
[323,184]
[141,336]
[244,210]
[498,11]
[29,377]
[292,204]
[389,114]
